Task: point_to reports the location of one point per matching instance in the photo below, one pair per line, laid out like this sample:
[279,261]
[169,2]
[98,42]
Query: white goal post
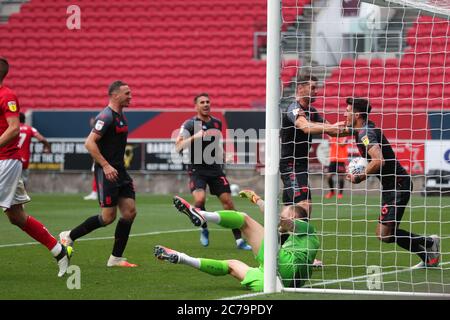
[379,54]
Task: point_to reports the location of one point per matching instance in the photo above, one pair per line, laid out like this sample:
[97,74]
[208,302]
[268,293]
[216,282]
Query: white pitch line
[108,238]
[369,275]
[250,295]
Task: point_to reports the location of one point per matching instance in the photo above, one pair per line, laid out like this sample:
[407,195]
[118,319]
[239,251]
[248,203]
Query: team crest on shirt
[99,125]
[365,140]
[12,105]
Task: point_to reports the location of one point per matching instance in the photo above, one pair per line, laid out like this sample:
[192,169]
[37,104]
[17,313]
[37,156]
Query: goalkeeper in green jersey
[295,258]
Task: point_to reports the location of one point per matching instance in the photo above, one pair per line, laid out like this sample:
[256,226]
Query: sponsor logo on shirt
[12,105]
[122,129]
[99,125]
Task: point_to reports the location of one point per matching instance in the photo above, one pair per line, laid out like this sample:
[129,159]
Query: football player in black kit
[299,123]
[199,134]
[106,143]
[395,181]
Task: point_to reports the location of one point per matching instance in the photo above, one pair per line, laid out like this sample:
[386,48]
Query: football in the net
[357,166]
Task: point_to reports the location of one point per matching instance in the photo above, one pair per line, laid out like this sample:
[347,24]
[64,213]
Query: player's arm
[11,132]
[256,199]
[91,145]
[343,131]
[253,197]
[42,140]
[185,139]
[309,127]
[373,167]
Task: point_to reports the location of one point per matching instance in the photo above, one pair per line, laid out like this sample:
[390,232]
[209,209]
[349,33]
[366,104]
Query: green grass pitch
[347,229]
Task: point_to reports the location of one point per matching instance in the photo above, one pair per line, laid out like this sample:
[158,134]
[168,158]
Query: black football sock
[237,233]
[86,227]
[330,183]
[341,185]
[121,237]
[412,242]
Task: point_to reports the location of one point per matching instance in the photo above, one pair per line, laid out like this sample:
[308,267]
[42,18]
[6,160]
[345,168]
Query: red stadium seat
[167,51]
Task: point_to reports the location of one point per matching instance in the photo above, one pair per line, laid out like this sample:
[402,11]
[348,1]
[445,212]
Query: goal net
[396,54]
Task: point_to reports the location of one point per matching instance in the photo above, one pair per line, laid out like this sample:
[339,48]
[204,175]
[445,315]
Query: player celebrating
[197,134]
[338,159]
[396,182]
[27,132]
[12,190]
[106,143]
[299,123]
[294,258]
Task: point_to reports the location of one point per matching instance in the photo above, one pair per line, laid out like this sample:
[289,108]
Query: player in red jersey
[27,132]
[12,191]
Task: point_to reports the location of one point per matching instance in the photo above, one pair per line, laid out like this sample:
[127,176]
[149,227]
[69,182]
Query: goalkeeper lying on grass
[295,257]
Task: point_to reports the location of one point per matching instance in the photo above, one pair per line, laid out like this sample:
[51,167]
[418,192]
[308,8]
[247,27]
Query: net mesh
[396,57]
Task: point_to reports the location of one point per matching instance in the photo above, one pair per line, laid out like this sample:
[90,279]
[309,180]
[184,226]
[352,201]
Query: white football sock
[213,217]
[187,260]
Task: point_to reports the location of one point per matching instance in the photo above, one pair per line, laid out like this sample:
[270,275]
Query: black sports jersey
[370,135]
[113,129]
[295,144]
[198,159]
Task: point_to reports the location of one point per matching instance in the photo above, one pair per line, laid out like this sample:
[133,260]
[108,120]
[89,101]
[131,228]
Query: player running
[198,134]
[28,132]
[396,182]
[106,143]
[295,257]
[12,190]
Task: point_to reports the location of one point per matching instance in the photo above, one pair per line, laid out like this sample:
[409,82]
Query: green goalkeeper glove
[249,194]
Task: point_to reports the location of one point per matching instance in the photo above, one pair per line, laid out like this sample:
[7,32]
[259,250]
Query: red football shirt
[9,107]
[338,152]
[26,134]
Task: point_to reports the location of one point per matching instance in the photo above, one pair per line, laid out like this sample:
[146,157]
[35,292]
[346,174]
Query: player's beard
[126,103]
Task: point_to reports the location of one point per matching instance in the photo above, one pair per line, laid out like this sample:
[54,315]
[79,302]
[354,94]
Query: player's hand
[47,150]
[198,135]
[249,194]
[356,178]
[229,158]
[110,173]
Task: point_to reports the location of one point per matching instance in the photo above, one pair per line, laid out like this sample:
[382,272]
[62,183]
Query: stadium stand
[419,81]
[167,52]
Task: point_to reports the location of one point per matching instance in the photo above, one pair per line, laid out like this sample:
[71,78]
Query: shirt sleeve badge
[99,125]
[12,105]
[365,140]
